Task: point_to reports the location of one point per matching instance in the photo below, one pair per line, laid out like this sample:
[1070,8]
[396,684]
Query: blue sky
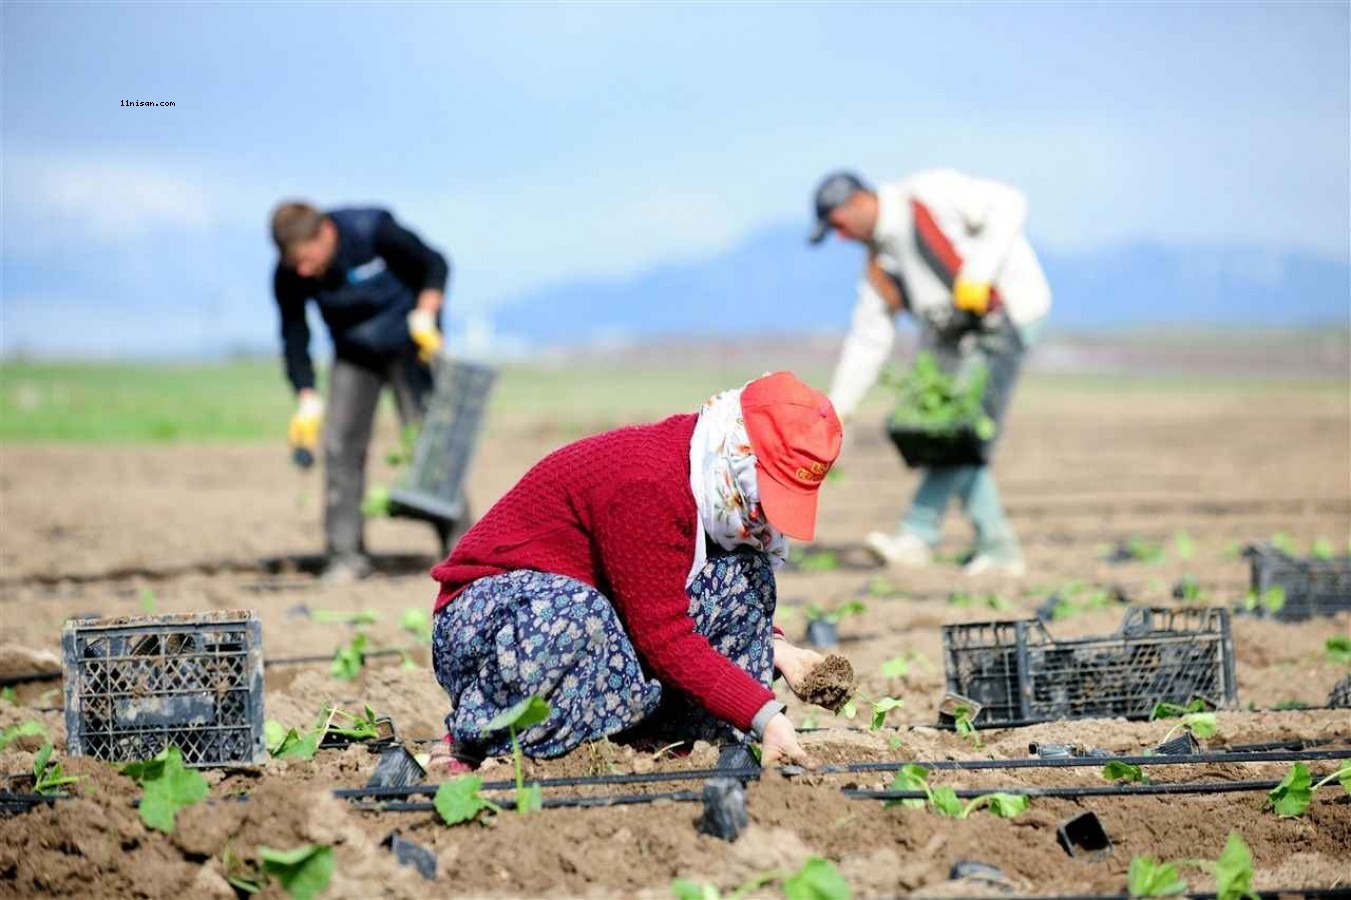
[540,143]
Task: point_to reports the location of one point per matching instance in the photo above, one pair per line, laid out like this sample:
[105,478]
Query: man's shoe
[904,550]
[1011,565]
[346,568]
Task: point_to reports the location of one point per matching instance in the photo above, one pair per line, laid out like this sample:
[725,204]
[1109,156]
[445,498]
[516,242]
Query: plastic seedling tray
[1019,673]
[1340,698]
[1311,587]
[136,685]
[434,487]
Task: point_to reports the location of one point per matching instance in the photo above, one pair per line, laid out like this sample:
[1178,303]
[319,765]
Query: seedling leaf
[166,787]
[530,711]
[818,879]
[896,667]
[1292,796]
[304,872]
[1148,877]
[909,777]
[31,728]
[1006,806]
[418,623]
[1338,649]
[349,659]
[944,801]
[1233,870]
[880,710]
[1123,772]
[458,800]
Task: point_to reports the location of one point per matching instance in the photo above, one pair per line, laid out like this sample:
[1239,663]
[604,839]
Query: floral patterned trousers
[523,633]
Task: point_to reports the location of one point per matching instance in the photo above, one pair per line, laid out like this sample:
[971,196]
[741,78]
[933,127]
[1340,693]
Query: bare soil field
[116,530]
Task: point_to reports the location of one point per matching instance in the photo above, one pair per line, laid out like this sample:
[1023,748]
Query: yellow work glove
[422,329]
[971,296]
[303,432]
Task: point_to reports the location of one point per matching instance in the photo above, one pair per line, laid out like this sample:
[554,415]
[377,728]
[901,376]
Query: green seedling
[529,712]
[166,787]
[819,561]
[303,872]
[1188,589]
[988,601]
[1124,773]
[31,728]
[241,875]
[1232,550]
[881,708]
[1148,877]
[881,586]
[944,801]
[932,401]
[963,720]
[899,666]
[147,601]
[1173,710]
[1183,545]
[8,695]
[1202,725]
[1338,650]
[418,623]
[345,617]
[459,800]
[1233,871]
[1291,704]
[818,879]
[1291,798]
[1272,600]
[47,774]
[349,659]
[287,743]
[685,889]
[364,727]
[375,505]
[1322,549]
[403,454]
[1284,543]
[836,613]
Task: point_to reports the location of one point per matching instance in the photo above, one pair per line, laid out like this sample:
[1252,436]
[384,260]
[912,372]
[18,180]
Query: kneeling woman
[628,580]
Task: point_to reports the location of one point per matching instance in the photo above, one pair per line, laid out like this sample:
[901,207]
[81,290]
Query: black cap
[833,191]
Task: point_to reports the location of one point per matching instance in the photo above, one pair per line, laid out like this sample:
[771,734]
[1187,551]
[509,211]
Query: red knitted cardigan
[615,511]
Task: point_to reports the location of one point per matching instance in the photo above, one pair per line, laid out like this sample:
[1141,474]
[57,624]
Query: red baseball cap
[796,437]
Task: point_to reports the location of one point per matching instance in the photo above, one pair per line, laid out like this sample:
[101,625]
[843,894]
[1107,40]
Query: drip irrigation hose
[547,802]
[939,765]
[1097,790]
[306,660]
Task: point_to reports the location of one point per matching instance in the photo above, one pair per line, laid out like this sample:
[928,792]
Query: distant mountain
[774,282]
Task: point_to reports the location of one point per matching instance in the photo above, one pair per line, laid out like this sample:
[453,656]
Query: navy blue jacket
[364,297]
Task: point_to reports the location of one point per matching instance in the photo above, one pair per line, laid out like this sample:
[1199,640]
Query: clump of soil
[829,683]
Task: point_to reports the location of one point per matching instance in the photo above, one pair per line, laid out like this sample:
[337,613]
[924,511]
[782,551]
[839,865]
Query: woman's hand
[793,663]
[779,744]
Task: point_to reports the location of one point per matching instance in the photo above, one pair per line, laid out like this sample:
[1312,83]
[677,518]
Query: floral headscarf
[726,490]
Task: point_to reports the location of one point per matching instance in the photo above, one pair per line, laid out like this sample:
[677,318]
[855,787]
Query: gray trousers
[353,397]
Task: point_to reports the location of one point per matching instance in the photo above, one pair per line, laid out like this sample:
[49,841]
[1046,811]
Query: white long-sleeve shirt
[933,228]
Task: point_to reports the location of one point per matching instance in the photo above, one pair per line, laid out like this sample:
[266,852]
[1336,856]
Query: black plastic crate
[434,487]
[135,685]
[921,448]
[1019,674]
[1312,587]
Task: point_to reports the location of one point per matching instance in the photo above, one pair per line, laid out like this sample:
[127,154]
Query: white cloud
[52,200]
